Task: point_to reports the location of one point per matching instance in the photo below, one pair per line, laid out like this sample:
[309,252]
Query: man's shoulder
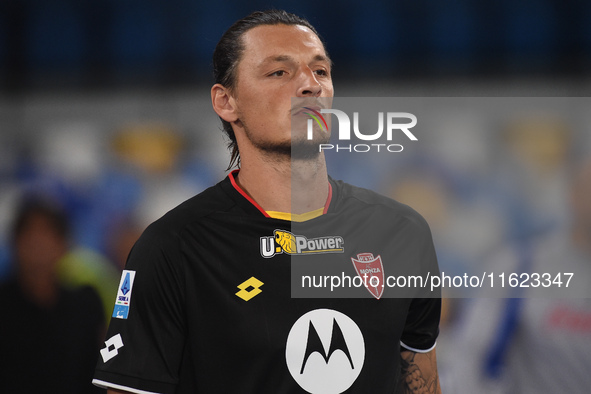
[210,201]
[355,197]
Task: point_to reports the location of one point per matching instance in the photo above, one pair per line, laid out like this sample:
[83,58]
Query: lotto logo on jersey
[249,288]
[285,242]
[112,346]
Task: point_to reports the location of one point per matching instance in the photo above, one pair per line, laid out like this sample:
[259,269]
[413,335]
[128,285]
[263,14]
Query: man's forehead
[288,58]
[266,39]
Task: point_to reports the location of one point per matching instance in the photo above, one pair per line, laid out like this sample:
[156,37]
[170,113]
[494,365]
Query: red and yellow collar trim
[283,215]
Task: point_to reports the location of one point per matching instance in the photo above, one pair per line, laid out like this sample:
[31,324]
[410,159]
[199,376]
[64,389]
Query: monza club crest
[371,271]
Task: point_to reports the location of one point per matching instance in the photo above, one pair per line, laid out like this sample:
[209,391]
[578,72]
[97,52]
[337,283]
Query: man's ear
[223,103]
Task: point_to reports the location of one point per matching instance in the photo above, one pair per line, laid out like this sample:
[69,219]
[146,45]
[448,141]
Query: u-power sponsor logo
[285,242]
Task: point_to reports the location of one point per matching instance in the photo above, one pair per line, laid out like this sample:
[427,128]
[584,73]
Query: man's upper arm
[419,372]
[144,348]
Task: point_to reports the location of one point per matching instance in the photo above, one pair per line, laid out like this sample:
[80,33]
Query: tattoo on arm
[419,373]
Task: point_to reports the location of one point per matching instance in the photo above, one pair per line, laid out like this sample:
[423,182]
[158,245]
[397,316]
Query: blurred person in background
[536,344]
[122,236]
[50,334]
[81,267]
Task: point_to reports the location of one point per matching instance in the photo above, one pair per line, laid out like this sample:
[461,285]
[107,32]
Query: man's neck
[284,185]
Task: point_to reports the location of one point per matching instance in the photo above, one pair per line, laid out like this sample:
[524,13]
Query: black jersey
[205,304]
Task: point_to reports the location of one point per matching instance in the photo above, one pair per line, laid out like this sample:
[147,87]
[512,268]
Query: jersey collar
[253,203]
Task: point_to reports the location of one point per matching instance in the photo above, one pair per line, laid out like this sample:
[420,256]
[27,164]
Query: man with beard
[204,303]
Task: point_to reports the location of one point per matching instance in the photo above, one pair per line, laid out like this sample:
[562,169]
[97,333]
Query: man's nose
[309,85]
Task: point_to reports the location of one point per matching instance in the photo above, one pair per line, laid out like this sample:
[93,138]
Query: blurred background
[105,112]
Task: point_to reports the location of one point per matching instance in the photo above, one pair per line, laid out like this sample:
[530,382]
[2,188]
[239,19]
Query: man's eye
[322,72]
[278,73]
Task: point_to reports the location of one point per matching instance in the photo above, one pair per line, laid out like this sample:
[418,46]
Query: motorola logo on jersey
[314,344]
[285,242]
[325,351]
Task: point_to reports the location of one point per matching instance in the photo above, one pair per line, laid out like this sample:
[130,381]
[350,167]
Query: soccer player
[204,304]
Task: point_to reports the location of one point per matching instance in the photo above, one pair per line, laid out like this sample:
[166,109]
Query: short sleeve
[145,340]
[422,325]
[422,322]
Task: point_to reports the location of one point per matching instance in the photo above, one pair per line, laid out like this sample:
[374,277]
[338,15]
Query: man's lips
[308,108]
